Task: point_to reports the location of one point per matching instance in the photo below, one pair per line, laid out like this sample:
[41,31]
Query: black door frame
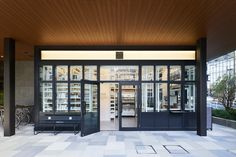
[138,84]
[83,108]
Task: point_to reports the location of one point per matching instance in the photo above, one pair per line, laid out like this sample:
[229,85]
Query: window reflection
[62,73]
[75,97]
[46,73]
[175,73]
[62,97]
[161,73]
[147,97]
[147,73]
[46,97]
[190,95]
[119,73]
[161,97]
[90,73]
[175,97]
[75,73]
[189,73]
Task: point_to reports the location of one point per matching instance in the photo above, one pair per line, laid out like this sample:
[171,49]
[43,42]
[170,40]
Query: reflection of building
[220,66]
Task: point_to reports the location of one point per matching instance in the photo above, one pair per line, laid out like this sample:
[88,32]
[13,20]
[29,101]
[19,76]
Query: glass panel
[129,105]
[147,73]
[175,73]
[190,95]
[90,97]
[109,106]
[119,73]
[90,112]
[90,73]
[175,97]
[62,97]
[46,73]
[62,73]
[161,73]
[75,97]
[46,97]
[75,73]
[161,97]
[147,97]
[189,73]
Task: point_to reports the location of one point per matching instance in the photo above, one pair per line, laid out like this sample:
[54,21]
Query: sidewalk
[221,142]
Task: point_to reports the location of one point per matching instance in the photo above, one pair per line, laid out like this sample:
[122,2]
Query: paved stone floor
[221,142]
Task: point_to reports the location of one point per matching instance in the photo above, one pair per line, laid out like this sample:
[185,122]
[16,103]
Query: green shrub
[227,114]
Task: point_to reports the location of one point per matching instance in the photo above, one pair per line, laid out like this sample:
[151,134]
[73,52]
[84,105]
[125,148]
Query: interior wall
[24,85]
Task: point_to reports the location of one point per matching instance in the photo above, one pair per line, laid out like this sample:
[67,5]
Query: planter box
[224,122]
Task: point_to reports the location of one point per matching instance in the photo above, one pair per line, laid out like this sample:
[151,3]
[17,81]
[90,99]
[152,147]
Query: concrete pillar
[9,87]
[201,87]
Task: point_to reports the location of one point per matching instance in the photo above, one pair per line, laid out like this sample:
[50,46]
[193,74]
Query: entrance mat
[145,149]
[175,149]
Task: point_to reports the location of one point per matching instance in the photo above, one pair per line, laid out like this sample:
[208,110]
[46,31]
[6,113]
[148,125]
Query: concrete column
[9,87]
[201,87]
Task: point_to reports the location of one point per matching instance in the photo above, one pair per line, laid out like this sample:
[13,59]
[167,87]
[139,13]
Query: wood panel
[105,22]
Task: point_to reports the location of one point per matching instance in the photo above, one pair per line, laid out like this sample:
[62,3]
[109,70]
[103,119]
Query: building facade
[110,89]
[219,67]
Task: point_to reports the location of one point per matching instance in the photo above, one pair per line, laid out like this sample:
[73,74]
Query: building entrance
[109,108]
[118,106]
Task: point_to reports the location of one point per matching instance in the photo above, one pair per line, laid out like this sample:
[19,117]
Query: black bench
[55,122]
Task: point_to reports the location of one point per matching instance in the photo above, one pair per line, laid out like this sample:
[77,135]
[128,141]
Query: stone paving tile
[221,142]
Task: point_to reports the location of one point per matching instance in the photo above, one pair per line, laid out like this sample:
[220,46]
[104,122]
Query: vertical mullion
[154,73]
[54,89]
[68,85]
[168,87]
[140,96]
[182,87]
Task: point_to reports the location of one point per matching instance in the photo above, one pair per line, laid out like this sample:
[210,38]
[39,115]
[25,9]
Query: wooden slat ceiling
[105,22]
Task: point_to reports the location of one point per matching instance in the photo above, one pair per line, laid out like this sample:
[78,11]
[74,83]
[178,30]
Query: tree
[224,90]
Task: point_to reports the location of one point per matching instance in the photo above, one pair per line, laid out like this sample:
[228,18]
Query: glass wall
[46,88]
[147,73]
[175,97]
[220,66]
[148,97]
[90,73]
[66,86]
[161,97]
[189,99]
[163,87]
[175,73]
[161,73]
[119,73]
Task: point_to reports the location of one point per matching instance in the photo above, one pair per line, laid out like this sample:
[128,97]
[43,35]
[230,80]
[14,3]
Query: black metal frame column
[9,86]
[201,86]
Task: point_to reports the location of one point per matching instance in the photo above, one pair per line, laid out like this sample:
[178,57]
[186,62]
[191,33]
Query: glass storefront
[126,95]
[161,93]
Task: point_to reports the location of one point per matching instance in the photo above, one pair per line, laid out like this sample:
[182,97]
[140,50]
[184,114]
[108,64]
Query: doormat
[145,149]
[175,149]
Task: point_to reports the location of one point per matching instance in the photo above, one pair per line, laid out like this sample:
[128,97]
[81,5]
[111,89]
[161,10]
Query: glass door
[129,106]
[90,108]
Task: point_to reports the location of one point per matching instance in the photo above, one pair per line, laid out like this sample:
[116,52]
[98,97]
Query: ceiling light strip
[111,55]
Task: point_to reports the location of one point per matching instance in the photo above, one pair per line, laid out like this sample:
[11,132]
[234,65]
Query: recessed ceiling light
[1,56]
